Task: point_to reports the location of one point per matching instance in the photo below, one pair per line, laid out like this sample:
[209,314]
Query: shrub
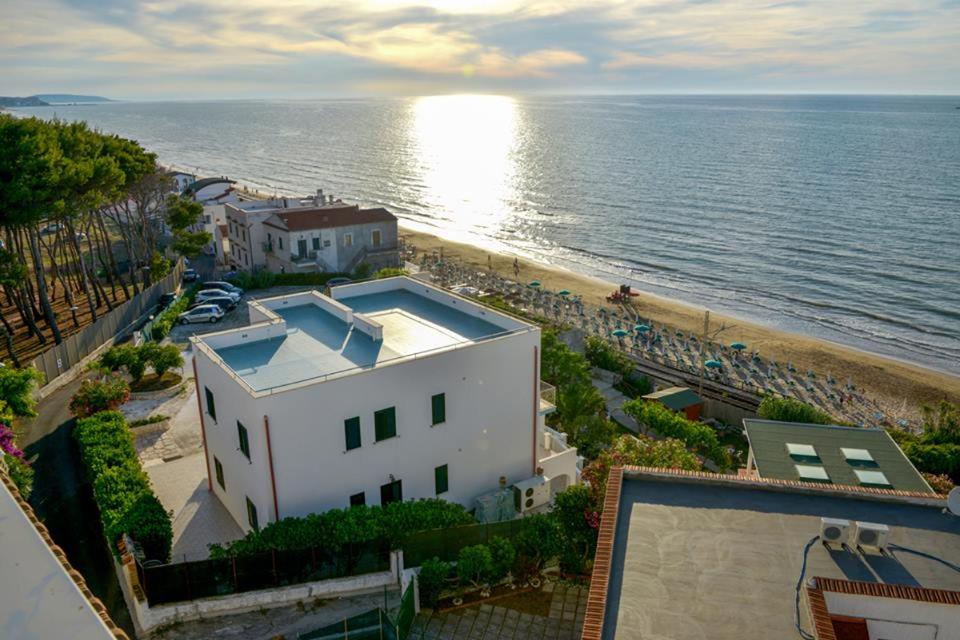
[942,483]
[126,356]
[120,487]
[636,384]
[95,396]
[602,354]
[431,580]
[21,473]
[16,390]
[502,555]
[791,410]
[165,321]
[578,519]
[261,279]
[389,272]
[696,436]
[537,542]
[362,272]
[475,565]
[165,357]
[400,519]
[141,422]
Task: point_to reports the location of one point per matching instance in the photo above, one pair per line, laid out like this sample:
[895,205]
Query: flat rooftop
[704,559]
[412,319]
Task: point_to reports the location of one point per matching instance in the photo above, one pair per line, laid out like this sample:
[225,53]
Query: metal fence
[62,357]
[446,543]
[207,578]
[375,624]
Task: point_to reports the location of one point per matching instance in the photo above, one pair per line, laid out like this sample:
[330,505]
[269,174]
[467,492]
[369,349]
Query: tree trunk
[49,315]
[111,265]
[85,281]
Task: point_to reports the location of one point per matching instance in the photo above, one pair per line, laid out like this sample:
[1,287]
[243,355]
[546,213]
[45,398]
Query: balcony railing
[548,398]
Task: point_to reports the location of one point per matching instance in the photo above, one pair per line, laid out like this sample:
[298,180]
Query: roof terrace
[308,336]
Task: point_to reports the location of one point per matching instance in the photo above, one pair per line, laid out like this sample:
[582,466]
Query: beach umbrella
[713,364]
[619,333]
[563,292]
[739,346]
[641,328]
[533,284]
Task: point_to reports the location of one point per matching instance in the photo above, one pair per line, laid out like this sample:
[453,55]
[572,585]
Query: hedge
[264,279]
[121,489]
[165,321]
[696,436]
[791,410]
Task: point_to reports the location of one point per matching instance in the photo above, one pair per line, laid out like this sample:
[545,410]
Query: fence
[446,543]
[375,624]
[178,582]
[61,358]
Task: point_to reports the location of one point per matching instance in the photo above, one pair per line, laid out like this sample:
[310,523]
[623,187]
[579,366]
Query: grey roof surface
[37,597]
[695,560]
[768,441]
[317,343]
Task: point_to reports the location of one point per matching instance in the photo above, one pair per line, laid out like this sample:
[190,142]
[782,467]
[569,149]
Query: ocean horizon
[836,217]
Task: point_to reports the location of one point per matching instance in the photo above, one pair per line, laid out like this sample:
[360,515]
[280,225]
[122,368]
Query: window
[348,239]
[326,243]
[280,242]
[219,469]
[246,260]
[351,432]
[269,241]
[441,479]
[302,247]
[252,515]
[358,499]
[244,232]
[244,440]
[438,406]
[385,423]
[375,237]
[206,218]
[316,244]
[391,492]
[211,405]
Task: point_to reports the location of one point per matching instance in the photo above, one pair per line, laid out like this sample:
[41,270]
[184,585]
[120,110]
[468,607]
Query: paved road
[64,503]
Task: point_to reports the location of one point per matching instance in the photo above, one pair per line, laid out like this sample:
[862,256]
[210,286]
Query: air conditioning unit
[871,535]
[834,531]
[531,493]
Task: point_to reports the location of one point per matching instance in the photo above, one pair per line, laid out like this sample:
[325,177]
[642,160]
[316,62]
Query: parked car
[223,286]
[224,302]
[191,275]
[206,294]
[202,313]
[166,299]
[336,282]
[50,229]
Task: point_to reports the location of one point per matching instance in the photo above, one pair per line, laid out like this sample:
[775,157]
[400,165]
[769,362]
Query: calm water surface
[833,216]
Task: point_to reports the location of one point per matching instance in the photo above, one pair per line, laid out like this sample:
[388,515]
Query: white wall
[945,617]
[491,410]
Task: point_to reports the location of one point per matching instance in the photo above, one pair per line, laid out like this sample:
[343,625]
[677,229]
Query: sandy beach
[893,380]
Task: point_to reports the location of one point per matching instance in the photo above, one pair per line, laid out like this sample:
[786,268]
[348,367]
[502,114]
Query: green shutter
[252,515]
[219,469]
[441,479]
[438,404]
[244,439]
[211,406]
[351,432]
[385,423]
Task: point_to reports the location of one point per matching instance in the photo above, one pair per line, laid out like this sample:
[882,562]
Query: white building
[391,389]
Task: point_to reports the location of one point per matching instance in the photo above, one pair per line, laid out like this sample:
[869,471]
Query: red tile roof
[328,217]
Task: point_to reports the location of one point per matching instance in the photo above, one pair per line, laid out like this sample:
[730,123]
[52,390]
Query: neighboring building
[853,456]
[680,399]
[181,180]
[211,190]
[391,389]
[221,245]
[699,555]
[315,233]
[41,595]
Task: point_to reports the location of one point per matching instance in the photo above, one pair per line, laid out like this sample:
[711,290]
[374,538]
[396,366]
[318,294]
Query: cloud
[292,47]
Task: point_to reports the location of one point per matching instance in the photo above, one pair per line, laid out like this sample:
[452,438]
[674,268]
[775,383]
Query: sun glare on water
[466,157]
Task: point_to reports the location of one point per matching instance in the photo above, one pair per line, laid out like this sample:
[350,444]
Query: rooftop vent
[802,451]
[872,478]
[812,473]
[834,530]
[856,455]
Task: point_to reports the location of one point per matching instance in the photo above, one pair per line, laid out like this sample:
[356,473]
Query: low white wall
[147,618]
[275,328]
[368,326]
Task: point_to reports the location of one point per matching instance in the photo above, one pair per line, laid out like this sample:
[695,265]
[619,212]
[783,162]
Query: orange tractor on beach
[622,295]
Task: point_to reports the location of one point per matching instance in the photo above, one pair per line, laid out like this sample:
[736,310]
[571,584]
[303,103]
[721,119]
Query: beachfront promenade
[733,370]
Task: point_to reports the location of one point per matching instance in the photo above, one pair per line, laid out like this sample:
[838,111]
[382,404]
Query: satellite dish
[953,501]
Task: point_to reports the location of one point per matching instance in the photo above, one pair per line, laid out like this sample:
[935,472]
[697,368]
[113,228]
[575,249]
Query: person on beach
[516,268]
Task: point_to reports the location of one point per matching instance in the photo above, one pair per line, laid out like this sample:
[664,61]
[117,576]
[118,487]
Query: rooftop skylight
[856,455]
[812,473]
[802,450]
[872,478]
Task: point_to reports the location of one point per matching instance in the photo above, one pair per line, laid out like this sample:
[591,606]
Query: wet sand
[897,382]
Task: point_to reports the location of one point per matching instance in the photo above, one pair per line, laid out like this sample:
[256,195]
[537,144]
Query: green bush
[261,279]
[21,473]
[120,487]
[362,272]
[400,519]
[601,353]
[389,272]
[475,565]
[696,436]
[165,357]
[502,555]
[165,321]
[95,396]
[791,410]
[537,542]
[578,520]
[16,390]
[636,385]
[431,580]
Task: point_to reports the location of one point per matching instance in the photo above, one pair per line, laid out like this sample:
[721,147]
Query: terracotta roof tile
[328,217]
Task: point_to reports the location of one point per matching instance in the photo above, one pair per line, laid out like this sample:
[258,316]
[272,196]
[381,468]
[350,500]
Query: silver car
[202,313]
[206,294]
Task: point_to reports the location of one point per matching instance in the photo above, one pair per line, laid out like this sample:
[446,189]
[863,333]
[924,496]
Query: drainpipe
[273,481]
[536,405]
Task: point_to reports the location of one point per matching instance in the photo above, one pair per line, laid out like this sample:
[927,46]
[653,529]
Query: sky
[234,49]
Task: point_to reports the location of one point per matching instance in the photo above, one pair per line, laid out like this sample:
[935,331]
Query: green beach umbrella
[641,328]
[739,346]
[534,284]
[619,333]
[563,292]
[713,364]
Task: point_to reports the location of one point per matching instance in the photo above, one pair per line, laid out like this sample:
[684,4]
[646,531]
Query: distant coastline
[51,100]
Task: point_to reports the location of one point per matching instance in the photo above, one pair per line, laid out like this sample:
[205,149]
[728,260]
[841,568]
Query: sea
[833,216]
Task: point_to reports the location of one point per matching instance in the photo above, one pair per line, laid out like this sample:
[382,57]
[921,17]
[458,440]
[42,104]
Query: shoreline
[885,376]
